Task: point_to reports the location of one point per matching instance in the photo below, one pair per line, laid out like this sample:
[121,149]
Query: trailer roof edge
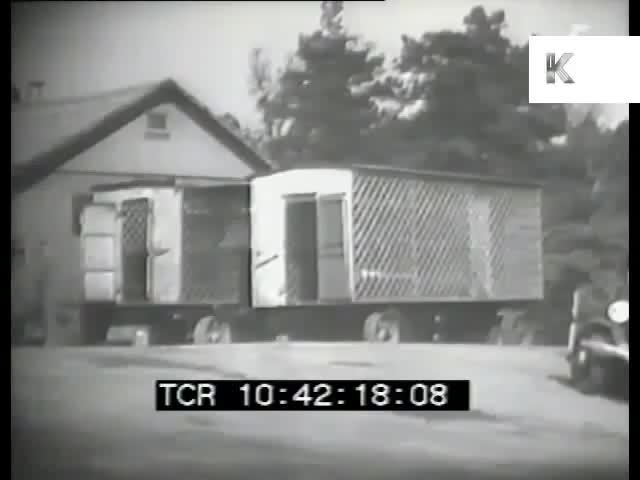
[437,174]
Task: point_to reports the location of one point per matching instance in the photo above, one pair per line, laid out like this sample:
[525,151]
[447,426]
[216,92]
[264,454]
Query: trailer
[326,253]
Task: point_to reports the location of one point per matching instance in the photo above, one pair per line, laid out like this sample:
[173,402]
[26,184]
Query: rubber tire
[390,319]
[225,335]
[204,327]
[371,326]
[594,377]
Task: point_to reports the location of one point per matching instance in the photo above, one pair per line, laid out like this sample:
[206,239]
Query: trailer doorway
[315,248]
[301,248]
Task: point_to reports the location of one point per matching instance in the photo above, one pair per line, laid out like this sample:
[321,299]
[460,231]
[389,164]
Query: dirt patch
[469,416]
[115,362]
[621,395]
[511,425]
[347,363]
[199,421]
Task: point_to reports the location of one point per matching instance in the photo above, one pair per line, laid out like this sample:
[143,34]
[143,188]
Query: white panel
[267,243]
[166,242]
[100,259]
[323,181]
[166,236]
[99,286]
[99,252]
[97,219]
[268,224]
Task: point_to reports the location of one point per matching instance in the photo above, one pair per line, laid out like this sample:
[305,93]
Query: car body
[598,345]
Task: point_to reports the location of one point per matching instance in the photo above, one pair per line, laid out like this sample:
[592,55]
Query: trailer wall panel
[434,239]
[165,237]
[215,245]
[276,270]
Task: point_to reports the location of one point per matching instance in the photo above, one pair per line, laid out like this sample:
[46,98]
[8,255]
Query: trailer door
[99,237]
[333,268]
[136,239]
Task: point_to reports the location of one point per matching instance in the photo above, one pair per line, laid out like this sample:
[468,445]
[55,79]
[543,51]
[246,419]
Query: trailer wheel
[210,330]
[495,336]
[383,327]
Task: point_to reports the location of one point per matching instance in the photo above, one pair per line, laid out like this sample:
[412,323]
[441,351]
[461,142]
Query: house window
[157,125]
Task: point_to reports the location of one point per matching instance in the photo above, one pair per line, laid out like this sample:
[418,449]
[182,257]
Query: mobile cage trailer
[318,253]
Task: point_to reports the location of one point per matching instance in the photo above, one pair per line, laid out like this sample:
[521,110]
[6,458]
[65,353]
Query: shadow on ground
[143,362]
[620,396]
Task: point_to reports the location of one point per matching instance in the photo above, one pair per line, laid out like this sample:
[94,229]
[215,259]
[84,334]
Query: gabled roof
[66,128]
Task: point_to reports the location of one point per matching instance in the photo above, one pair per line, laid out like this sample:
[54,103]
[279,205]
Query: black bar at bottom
[371,395]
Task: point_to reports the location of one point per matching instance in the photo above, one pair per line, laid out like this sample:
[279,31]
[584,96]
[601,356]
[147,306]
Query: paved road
[88,414]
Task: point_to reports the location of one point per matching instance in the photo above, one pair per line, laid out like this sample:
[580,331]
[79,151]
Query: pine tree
[320,107]
[471,87]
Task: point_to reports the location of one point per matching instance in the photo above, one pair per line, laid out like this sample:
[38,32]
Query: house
[62,148]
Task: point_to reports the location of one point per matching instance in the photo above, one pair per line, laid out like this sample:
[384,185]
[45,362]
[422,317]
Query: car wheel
[590,373]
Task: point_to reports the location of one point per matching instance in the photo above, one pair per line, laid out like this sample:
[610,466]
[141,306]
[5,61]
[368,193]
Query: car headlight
[618,312]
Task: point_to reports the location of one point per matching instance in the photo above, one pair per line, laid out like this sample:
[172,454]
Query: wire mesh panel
[421,239]
[383,221]
[215,243]
[442,236]
[135,221]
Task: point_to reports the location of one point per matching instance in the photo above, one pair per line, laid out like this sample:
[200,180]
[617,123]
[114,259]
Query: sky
[86,47]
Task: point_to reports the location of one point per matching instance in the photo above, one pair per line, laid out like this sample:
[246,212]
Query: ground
[89,414]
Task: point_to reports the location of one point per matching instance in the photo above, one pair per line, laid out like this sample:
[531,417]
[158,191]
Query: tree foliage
[469,90]
[319,107]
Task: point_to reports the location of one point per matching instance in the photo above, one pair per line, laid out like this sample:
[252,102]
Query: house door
[333,268]
[99,235]
[301,241]
[136,235]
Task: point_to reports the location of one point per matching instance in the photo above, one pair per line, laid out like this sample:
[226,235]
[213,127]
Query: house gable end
[168,92]
[184,150]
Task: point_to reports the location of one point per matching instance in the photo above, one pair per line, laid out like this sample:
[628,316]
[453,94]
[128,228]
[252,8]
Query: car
[598,345]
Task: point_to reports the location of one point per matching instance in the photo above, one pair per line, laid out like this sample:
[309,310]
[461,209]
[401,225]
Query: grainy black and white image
[317,191]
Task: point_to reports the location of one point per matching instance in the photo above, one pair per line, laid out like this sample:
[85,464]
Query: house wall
[42,216]
[188,151]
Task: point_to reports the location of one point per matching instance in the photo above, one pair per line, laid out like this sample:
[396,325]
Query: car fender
[579,328]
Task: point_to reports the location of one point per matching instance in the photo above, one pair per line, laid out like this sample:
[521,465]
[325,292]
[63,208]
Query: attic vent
[157,125]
